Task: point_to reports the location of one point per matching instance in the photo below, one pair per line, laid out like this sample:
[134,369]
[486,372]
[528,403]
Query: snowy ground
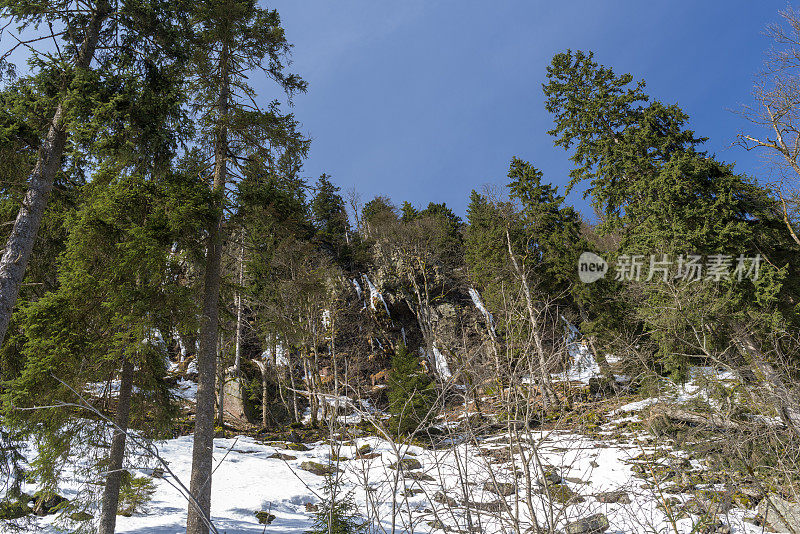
[248,480]
[455,488]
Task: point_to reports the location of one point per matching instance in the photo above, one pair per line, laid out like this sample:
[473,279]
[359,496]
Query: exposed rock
[436,525]
[594,524]
[316,468]
[80,516]
[549,477]
[491,506]
[48,503]
[780,514]
[441,498]
[613,497]
[406,464]
[265,518]
[282,456]
[234,401]
[295,447]
[503,489]
[563,494]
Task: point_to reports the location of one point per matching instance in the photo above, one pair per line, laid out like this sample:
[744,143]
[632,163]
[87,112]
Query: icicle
[441,364]
[374,295]
[476,299]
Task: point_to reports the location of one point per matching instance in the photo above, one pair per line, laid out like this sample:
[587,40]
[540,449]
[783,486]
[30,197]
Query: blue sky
[426,100]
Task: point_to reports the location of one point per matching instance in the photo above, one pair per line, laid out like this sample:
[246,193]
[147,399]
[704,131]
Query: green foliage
[552,230]
[337,513]
[330,217]
[134,494]
[378,212]
[412,393]
[659,193]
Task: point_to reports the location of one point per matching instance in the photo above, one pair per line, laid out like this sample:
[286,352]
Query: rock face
[503,489]
[47,504]
[317,468]
[233,401]
[594,524]
[406,464]
[610,497]
[780,514]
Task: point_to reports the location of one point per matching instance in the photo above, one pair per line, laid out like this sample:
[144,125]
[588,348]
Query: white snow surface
[247,480]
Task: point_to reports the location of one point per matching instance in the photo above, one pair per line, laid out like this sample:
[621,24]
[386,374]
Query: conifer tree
[84,29]
[660,193]
[412,392]
[232,39]
[330,217]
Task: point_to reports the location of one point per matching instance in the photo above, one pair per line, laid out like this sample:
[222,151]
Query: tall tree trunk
[262,366]
[197,521]
[110,499]
[20,242]
[237,361]
[548,397]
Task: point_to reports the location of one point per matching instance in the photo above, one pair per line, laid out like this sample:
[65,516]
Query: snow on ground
[448,490]
[247,480]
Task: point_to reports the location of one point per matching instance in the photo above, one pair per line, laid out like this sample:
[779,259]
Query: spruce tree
[660,193]
[330,217]
[412,393]
[98,32]
[232,39]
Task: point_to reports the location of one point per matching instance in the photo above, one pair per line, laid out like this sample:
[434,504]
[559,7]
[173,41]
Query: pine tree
[659,193]
[337,513]
[330,217]
[232,39]
[412,393]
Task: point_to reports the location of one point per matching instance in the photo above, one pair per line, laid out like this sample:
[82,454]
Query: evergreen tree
[231,40]
[552,230]
[337,513]
[101,31]
[412,393]
[408,212]
[330,217]
[661,194]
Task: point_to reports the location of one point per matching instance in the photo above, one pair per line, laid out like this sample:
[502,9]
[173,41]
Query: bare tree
[776,114]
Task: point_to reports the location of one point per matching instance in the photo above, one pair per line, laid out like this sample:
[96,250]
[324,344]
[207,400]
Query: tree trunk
[548,397]
[237,362]
[110,499]
[785,401]
[197,521]
[23,235]
[262,366]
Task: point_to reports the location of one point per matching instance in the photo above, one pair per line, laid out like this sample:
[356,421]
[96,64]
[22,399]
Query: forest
[197,337]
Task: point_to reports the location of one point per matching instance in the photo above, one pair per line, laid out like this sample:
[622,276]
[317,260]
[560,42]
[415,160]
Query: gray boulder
[594,524]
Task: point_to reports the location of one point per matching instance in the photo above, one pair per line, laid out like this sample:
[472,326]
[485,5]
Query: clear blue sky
[426,100]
